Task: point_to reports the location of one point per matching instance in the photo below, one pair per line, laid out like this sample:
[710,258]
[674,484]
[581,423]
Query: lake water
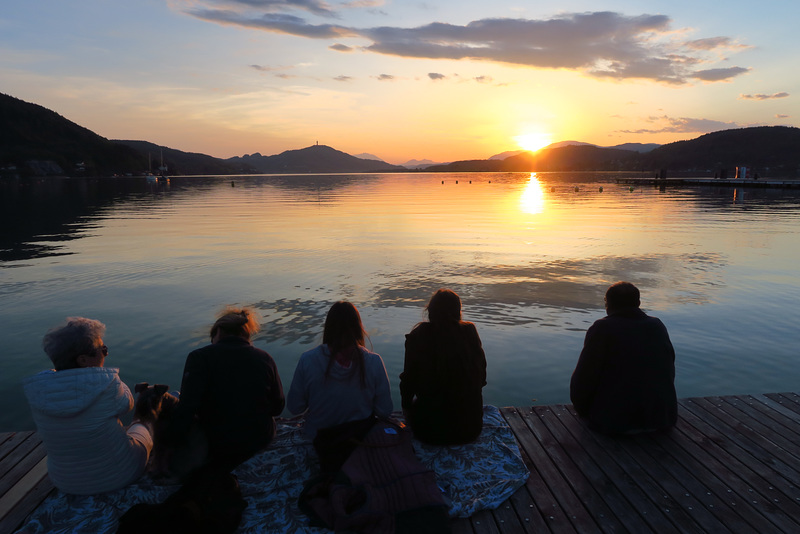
[530,256]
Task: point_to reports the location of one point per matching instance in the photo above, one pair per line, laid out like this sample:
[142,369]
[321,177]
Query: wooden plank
[712,448]
[32,477]
[11,521]
[765,425]
[10,445]
[590,482]
[550,493]
[661,500]
[522,501]
[789,400]
[759,453]
[483,523]
[775,411]
[25,460]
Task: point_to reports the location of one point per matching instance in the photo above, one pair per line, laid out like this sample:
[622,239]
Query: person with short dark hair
[77,408]
[232,389]
[339,381]
[443,375]
[624,382]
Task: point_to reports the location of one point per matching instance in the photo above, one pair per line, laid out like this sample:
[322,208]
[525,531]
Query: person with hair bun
[443,375]
[232,389]
[77,408]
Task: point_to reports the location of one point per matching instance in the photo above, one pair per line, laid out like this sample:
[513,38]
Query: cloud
[436,76]
[718,75]
[312,6]
[683,125]
[385,78]
[483,79]
[341,47]
[277,23]
[781,116]
[763,96]
[342,78]
[601,44]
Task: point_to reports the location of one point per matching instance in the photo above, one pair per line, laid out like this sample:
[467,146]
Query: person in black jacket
[443,375]
[624,382]
[232,389]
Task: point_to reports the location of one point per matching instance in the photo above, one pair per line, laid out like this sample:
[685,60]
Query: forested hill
[769,150]
[33,135]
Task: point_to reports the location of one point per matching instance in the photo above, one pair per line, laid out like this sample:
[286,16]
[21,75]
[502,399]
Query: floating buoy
[456,181]
[442,182]
[576,189]
[233,184]
[490,181]
[470,181]
[631,189]
[601,189]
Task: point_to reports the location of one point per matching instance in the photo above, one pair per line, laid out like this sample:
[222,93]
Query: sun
[533,141]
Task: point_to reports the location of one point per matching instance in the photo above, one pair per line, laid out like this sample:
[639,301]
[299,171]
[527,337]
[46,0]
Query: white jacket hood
[69,392]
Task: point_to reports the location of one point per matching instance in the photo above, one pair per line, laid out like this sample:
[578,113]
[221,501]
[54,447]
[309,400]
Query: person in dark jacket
[443,375]
[624,382]
[232,389]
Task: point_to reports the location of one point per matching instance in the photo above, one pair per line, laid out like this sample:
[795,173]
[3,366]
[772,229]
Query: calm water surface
[530,256]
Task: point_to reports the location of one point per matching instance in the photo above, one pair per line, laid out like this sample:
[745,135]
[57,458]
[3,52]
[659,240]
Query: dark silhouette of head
[344,335]
[622,295]
[343,328]
[239,322]
[444,308]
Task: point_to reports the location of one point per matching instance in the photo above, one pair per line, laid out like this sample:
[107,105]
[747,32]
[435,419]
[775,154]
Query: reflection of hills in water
[39,213]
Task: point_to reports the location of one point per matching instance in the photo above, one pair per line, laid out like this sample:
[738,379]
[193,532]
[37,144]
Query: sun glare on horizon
[533,141]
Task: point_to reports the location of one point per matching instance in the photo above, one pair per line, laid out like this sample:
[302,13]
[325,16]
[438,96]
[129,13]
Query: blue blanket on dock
[473,477]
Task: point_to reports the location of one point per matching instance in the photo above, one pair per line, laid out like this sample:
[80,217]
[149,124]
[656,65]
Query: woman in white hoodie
[76,408]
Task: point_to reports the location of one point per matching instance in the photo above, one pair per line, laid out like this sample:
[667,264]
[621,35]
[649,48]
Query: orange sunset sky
[402,80]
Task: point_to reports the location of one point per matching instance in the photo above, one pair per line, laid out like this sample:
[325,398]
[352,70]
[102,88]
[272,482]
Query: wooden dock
[731,464]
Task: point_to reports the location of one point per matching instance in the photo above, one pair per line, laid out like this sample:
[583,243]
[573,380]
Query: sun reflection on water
[532,200]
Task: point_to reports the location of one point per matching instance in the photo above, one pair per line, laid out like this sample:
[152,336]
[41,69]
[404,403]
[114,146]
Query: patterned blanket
[477,476]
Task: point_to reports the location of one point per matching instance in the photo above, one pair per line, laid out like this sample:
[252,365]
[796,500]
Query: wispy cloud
[782,116]
[718,75]
[763,96]
[683,125]
[601,44]
[339,47]
[385,78]
[343,78]
[436,76]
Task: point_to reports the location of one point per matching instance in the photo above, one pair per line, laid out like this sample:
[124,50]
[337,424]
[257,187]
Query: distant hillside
[179,162]
[768,150]
[315,158]
[637,147]
[36,140]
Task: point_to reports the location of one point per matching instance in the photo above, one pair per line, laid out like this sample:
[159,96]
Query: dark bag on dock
[209,501]
[382,487]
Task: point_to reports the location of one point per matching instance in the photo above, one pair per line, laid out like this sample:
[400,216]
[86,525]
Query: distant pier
[726,182]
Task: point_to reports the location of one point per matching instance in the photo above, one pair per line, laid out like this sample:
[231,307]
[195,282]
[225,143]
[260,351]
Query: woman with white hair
[77,408]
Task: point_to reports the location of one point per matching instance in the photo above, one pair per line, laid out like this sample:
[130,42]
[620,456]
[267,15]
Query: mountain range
[37,141]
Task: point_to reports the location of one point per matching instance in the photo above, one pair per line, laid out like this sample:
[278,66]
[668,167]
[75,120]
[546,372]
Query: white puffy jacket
[77,412]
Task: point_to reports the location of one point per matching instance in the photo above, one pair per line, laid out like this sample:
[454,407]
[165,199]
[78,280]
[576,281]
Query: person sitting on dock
[77,408]
[443,375]
[340,381]
[232,389]
[624,382]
